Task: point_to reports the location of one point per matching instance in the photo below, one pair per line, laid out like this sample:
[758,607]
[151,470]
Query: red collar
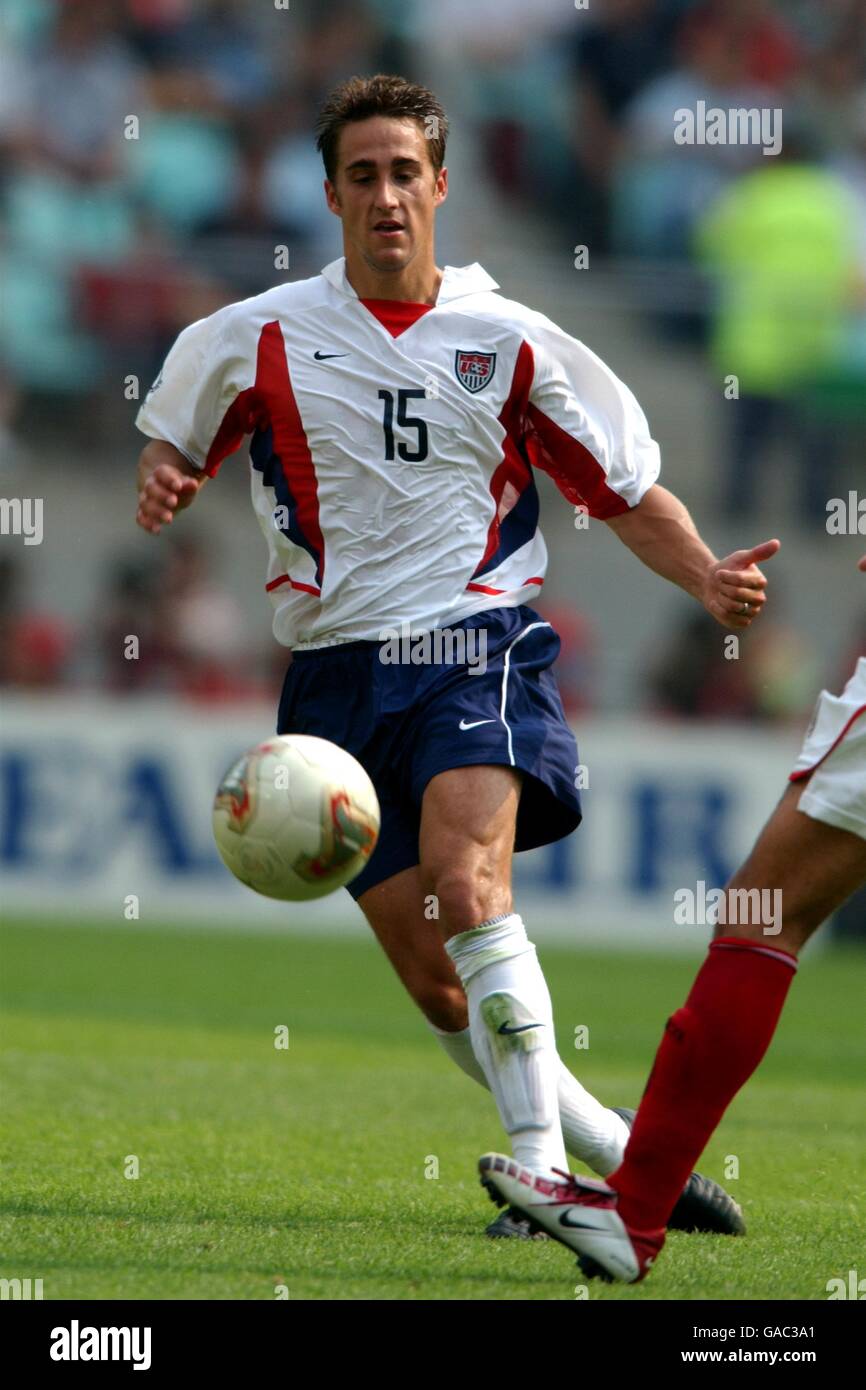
[396,314]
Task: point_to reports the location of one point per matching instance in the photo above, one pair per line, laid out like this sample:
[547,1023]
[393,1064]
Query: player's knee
[463,898]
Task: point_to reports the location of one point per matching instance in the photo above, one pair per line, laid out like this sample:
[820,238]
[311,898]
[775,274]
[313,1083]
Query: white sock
[592,1133]
[511,1026]
[460,1050]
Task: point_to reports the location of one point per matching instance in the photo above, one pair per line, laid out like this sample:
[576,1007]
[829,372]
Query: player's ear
[441,189]
[332,199]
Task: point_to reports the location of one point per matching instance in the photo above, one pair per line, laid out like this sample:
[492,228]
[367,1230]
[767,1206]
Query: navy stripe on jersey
[515,530]
[267,462]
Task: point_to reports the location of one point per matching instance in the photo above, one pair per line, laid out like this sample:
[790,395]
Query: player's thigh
[399,911]
[815,866]
[466,842]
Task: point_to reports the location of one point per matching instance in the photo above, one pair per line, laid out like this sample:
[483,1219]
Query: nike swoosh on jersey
[323,356]
[504,1028]
[474,725]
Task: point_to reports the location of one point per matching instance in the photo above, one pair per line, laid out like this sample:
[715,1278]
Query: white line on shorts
[505,671]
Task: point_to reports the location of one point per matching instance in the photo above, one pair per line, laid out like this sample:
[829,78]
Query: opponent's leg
[713,1044]
[710,1048]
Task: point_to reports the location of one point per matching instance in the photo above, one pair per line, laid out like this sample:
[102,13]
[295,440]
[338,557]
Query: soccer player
[397,411]
[812,849]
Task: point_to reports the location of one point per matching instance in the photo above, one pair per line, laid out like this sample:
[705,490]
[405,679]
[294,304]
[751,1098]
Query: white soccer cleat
[578,1212]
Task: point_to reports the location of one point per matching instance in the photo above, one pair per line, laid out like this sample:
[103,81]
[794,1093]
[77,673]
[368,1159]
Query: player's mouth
[388,227]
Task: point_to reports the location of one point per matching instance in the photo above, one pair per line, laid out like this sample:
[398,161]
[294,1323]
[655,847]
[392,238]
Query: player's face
[386,191]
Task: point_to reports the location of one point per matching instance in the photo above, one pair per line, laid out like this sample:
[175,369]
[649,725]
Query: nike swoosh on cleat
[475,723]
[323,356]
[578,1225]
[504,1028]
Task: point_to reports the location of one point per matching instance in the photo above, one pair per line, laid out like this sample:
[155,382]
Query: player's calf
[443,1005]
[805,867]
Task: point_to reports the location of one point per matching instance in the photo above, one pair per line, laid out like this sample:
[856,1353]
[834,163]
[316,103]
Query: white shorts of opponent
[833,758]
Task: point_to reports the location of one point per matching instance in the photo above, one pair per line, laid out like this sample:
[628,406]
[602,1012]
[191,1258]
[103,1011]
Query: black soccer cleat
[512,1223]
[703,1205]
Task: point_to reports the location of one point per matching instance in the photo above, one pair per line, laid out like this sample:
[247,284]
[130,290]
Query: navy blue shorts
[405,723]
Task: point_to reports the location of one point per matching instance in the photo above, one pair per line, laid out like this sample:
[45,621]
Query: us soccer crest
[474,369]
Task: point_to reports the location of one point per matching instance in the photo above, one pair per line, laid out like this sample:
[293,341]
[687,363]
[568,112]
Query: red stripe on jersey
[278,404]
[578,475]
[807,771]
[239,419]
[396,314]
[486,589]
[513,469]
[271,400]
[282,579]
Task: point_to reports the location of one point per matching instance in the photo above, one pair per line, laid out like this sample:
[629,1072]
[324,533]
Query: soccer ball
[295,818]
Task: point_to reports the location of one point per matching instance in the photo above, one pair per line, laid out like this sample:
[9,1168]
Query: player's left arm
[662,534]
[586,429]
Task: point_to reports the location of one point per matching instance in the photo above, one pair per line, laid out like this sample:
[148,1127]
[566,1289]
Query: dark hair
[386,94]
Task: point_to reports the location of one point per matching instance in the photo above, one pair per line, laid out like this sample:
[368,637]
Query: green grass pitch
[307,1166]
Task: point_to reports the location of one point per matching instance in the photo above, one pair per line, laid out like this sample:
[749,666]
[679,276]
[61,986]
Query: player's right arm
[196,414]
[167,483]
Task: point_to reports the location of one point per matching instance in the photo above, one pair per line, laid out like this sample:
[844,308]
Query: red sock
[709,1050]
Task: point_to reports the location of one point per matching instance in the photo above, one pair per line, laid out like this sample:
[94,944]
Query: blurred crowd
[757,260]
[155,154]
[169,627]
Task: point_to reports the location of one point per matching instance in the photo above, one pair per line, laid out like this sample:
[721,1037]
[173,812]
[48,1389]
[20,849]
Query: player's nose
[386,197]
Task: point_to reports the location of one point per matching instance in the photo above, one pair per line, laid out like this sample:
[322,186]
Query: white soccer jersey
[393,445]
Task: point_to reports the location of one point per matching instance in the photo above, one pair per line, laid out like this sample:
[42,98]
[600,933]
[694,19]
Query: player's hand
[165,492]
[735,581]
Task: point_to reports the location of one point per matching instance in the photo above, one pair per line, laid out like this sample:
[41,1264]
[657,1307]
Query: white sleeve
[585,427]
[198,402]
